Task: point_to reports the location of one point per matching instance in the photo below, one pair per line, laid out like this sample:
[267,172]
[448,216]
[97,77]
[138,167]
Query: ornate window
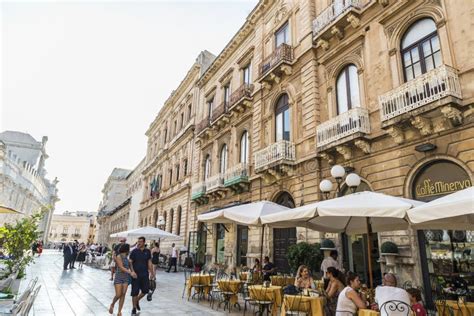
[207,168]
[246,75]
[244,147]
[226,94]
[171,221]
[347,89]
[223,160]
[210,105]
[178,221]
[282,36]
[282,119]
[420,49]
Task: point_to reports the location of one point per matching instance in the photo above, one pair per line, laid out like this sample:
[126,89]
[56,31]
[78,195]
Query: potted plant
[327,245]
[304,253]
[389,250]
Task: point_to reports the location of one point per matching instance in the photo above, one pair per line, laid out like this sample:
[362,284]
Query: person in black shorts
[140,264]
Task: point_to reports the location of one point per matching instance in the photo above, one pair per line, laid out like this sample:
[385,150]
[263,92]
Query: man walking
[67,253]
[74,255]
[140,263]
[173,259]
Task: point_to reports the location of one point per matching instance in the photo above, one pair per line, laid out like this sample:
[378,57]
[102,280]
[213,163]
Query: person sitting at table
[268,269]
[303,279]
[390,292]
[349,300]
[257,267]
[335,287]
[416,302]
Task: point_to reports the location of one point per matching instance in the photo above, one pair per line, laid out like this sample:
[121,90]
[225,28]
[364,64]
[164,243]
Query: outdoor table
[230,286]
[368,312]
[313,306]
[458,310]
[282,281]
[199,279]
[244,276]
[272,293]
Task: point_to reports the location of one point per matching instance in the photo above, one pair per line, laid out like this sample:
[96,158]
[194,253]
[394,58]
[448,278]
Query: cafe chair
[395,308]
[345,313]
[215,294]
[187,274]
[246,296]
[299,306]
[264,299]
[460,309]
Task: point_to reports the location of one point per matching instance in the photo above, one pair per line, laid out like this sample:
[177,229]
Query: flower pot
[390,258]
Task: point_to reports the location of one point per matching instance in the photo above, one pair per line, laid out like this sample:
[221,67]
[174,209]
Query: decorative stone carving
[363,145]
[423,124]
[323,44]
[440,124]
[337,31]
[281,13]
[397,134]
[453,114]
[266,85]
[345,151]
[286,69]
[353,20]
[328,157]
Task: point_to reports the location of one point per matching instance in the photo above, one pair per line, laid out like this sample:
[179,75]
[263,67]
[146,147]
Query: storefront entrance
[447,256]
[283,237]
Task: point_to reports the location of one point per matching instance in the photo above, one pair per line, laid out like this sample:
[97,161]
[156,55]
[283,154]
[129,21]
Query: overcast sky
[93,75]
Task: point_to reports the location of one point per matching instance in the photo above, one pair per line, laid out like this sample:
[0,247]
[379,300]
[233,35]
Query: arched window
[244,147]
[223,161]
[207,167]
[347,89]
[155,218]
[178,221]
[171,221]
[282,119]
[165,217]
[420,49]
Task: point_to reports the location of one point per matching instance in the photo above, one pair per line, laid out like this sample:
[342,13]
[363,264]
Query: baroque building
[71,226]
[23,183]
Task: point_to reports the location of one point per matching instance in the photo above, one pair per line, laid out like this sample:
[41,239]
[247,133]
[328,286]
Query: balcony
[276,65]
[219,115]
[198,193]
[333,20]
[343,128]
[76,235]
[63,234]
[215,186]
[276,160]
[237,178]
[202,126]
[241,99]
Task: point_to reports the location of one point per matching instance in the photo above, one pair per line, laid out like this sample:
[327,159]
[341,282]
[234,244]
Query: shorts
[140,284]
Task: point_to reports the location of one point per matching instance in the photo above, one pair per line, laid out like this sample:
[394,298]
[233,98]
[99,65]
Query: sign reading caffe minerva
[439,178]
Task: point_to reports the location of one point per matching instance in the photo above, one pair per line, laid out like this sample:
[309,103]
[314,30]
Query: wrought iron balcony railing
[280,151]
[218,111]
[215,182]
[236,174]
[332,12]
[283,53]
[244,91]
[198,190]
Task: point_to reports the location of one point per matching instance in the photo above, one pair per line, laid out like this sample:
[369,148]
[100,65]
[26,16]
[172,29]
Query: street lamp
[338,172]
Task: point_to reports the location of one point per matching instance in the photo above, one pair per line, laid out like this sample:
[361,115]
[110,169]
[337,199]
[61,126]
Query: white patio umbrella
[454,211]
[244,214]
[147,232]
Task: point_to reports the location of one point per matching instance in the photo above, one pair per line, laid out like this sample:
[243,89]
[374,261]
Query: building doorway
[283,237]
[242,245]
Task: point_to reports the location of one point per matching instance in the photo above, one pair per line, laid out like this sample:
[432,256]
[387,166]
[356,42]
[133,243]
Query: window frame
[223,159]
[345,70]
[287,40]
[244,151]
[247,69]
[282,109]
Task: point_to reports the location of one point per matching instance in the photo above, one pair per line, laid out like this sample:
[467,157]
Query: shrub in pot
[305,253]
[389,250]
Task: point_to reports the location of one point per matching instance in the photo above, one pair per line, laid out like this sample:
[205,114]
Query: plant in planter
[389,250]
[305,253]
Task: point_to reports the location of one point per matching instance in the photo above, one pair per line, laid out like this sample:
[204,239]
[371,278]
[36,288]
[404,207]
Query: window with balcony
[226,94]
[246,74]
[282,36]
[182,120]
[207,168]
[210,106]
[244,147]
[223,159]
[178,221]
[347,89]
[420,49]
[282,119]
[189,112]
[165,136]
[171,221]
[175,127]
[177,172]
[171,176]
[185,167]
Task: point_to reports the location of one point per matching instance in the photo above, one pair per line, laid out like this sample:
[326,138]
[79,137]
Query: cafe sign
[439,178]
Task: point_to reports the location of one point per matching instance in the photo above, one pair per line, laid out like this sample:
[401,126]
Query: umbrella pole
[261,244]
[369,253]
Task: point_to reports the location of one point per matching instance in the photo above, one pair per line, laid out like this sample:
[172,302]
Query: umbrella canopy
[7,210]
[147,232]
[244,214]
[299,216]
[454,211]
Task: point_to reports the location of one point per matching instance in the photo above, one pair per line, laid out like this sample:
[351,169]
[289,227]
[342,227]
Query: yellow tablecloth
[232,286]
[279,280]
[272,293]
[199,279]
[255,276]
[368,312]
[459,310]
[314,306]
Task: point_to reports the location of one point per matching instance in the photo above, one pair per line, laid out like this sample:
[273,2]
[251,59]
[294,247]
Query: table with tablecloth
[458,309]
[313,306]
[256,277]
[271,293]
[282,281]
[368,312]
[199,279]
[230,286]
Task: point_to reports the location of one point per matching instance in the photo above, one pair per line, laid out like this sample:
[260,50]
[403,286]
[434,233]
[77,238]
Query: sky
[92,76]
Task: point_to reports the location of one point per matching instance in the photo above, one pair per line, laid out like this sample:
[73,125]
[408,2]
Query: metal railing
[198,189]
[214,182]
[281,150]
[284,52]
[240,170]
[244,91]
[424,89]
[332,12]
[202,125]
[218,111]
[345,124]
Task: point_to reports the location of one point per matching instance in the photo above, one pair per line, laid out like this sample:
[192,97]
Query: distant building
[23,183]
[70,226]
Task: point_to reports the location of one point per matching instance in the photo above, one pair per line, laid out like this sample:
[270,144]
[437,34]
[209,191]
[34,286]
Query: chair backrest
[18,308]
[299,304]
[395,308]
[30,302]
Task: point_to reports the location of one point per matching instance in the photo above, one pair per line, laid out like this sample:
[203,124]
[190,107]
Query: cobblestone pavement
[89,292]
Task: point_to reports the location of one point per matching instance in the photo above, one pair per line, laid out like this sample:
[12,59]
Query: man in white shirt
[173,259]
[330,261]
[397,298]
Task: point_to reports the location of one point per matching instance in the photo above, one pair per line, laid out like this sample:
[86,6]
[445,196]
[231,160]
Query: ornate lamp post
[338,172]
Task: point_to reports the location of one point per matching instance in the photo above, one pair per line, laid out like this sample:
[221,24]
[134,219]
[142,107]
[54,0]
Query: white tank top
[345,304]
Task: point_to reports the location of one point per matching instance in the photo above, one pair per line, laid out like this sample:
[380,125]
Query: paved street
[89,292]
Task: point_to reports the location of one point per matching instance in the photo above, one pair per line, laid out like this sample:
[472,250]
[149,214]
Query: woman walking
[122,278]
[81,255]
[155,256]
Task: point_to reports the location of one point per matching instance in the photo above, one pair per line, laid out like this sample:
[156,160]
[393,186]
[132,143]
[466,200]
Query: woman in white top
[349,299]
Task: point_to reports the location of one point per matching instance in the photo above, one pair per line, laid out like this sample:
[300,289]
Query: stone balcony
[276,65]
[237,178]
[215,186]
[342,131]
[202,128]
[241,99]
[275,161]
[428,102]
[333,20]
[198,193]
[219,117]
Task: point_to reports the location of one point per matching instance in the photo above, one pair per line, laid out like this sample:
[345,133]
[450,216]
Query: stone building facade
[71,226]
[135,189]
[167,171]
[23,183]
